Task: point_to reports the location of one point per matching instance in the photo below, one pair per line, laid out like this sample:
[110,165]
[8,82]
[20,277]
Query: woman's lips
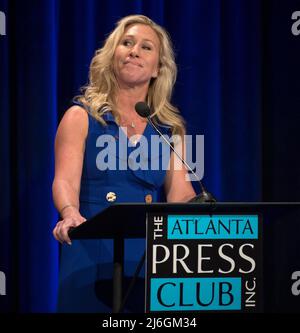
[132,63]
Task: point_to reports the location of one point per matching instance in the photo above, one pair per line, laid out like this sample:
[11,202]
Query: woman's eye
[146,47]
[127,42]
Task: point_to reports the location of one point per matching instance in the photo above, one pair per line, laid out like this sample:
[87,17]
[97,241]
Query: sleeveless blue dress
[85,279]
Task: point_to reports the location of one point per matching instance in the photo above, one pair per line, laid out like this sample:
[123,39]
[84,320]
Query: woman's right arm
[69,151]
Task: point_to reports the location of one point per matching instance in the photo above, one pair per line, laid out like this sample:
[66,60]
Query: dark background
[238,84]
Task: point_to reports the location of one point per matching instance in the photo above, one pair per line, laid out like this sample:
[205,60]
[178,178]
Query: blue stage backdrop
[238,85]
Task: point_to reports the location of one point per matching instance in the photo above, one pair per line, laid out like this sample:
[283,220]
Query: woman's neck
[127,98]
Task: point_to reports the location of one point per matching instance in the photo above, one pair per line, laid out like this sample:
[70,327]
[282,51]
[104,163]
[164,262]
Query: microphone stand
[204,196]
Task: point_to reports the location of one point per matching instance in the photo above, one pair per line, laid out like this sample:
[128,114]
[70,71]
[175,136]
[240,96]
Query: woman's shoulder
[75,113]
[75,119]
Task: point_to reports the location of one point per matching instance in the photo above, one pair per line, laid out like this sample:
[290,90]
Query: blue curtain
[237,85]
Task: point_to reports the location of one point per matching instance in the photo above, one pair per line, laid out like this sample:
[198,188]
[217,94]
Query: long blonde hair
[100,94]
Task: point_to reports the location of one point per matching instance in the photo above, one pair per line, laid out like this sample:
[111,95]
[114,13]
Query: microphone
[143,110]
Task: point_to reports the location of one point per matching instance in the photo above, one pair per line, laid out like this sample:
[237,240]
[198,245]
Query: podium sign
[223,246]
[204,262]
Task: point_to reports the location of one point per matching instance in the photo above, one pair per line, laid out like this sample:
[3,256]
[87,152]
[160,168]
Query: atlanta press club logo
[204,263]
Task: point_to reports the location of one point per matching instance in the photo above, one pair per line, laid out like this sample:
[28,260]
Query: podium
[280,244]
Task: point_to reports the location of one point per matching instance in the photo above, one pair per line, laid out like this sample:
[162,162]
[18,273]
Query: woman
[135,64]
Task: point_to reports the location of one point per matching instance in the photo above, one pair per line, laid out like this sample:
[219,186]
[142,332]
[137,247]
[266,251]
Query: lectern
[232,241]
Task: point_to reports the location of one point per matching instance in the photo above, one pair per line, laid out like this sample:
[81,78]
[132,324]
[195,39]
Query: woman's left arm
[177,187]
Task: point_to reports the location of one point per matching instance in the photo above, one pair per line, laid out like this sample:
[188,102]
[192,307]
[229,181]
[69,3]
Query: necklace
[130,125]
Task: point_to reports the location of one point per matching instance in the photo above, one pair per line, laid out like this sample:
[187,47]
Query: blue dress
[85,283]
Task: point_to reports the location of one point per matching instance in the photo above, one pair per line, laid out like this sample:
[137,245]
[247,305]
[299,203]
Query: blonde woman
[135,64]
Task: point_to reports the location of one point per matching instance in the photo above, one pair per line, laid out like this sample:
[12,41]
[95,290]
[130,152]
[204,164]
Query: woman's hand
[71,219]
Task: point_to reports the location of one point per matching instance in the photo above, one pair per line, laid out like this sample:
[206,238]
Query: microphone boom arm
[204,196]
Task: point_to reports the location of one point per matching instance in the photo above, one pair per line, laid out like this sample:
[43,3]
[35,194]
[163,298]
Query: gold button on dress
[148,198]
[111,196]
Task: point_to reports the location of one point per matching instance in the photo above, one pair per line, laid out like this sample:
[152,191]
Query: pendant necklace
[131,125]
[135,140]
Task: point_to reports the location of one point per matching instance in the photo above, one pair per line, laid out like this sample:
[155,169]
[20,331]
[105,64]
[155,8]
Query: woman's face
[136,57]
